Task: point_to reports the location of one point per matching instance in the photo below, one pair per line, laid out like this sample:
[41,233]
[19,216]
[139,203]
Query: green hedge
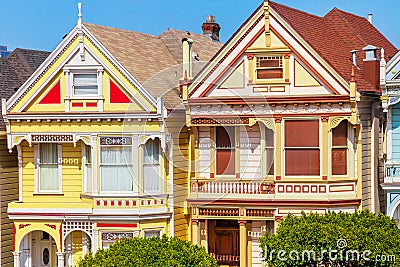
[150,252]
[375,237]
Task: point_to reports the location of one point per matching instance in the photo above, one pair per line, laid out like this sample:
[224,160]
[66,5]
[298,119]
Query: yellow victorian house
[95,161]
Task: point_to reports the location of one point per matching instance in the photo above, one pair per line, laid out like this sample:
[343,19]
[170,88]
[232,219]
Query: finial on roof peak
[79,14]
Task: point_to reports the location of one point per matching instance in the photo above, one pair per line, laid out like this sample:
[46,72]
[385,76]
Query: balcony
[392,173]
[231,189]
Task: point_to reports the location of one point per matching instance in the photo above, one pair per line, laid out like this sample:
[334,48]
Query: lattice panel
[69,226]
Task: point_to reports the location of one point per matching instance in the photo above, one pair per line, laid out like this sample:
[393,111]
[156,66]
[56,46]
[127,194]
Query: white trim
[20,170]
[115,217]
[138,211]
[70,116]
[171,190]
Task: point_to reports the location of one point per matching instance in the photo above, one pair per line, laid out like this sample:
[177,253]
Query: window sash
[270,67]
[151,166]
[269,150]
[85,84]
[48,167]
[302,162]
[340,149]
[116,168]
[152,233]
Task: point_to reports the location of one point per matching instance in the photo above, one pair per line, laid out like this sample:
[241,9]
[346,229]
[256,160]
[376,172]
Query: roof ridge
[292,8]
[120,29]
[335,9]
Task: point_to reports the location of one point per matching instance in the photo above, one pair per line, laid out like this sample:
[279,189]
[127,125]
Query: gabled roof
[16,69]
[155,61]
[334,36]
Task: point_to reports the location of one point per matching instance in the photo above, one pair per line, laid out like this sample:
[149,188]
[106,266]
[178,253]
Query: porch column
[60,259]
[243,243]
[16,258]
[195,232]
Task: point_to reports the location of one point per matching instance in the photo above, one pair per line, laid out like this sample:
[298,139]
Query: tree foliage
[337,239]
[150,252]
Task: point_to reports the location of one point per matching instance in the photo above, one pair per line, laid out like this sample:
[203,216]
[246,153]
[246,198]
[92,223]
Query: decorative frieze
[259,213]
[44,138]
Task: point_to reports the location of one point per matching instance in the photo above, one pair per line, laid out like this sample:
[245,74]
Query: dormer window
[269,67]
[85,84]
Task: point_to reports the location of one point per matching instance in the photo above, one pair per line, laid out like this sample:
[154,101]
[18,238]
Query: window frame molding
[285,57]
[160,229]
[283,148]
[236,148]
[85,169]
[36,152]
[162,189]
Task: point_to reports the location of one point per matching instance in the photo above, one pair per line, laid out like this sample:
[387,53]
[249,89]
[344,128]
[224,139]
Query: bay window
[302,151]
[225,150]
[339,149]
[49,167]
[151,166]
[116,164]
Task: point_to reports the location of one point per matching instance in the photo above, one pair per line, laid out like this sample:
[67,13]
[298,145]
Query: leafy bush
[150,252]
[337,239]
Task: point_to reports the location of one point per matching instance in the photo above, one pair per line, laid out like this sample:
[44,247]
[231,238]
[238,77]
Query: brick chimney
[371,66]
[211,28]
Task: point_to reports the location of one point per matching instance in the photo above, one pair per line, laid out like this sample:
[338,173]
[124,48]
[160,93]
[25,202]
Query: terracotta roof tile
[334,36]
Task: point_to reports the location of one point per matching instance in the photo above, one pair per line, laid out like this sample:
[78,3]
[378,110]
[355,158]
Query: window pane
[339,134]
[116,155]
[152,151]
[151,178]
[149,234]
[225,137]
[270,161]
[85,84]
[48,153]
[85,90]
[302,161]
[302,133]
[225,162]
[270,73]
[49,177]
[274,62]
[116,178]
[269,137]
[339,161]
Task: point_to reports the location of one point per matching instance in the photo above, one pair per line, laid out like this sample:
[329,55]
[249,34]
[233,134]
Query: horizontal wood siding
[250,153]
[180,139]
[9,192]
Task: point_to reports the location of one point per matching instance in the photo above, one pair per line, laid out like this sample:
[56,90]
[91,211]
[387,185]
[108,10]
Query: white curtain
[88,164]
[48,160]
[116,168]
[85,84]
[151,166]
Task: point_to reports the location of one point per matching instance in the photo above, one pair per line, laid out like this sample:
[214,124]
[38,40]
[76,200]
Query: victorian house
[95,161]
[284,119]
[15,69]
[390,84]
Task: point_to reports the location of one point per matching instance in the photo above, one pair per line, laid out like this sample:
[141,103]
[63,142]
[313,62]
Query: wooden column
[324,147]
[243,243]
[195,232]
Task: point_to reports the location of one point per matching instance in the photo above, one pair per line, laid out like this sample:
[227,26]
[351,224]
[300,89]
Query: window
[85,84]
[269,150]
[225,150]
[87,156]
[49,168]
[302,153]
[152,233]
[116,164]
[270,67]
[151,166]
[339,149]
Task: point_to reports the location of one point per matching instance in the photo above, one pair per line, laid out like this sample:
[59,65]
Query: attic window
[85,84]
[270,67]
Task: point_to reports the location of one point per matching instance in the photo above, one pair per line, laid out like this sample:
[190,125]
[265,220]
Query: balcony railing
[392,172]
[226,259]
[216,187]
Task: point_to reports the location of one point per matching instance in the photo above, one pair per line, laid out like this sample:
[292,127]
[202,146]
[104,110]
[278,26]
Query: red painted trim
[212,175]
[53,96]
[61,239]
[304,189]
[322,188]
[289,115]
[134,203]
[105,202]
[281,189]
[91,104]
[352,188]
[126,203]
[240,54]
[77,104]
[119,203]
[289,189]
[112,203]
[97,202]
[119,225]
[272,202]
[117,96]
[314,189]
[237,175]
[324,178]
[278,177]
[297,189]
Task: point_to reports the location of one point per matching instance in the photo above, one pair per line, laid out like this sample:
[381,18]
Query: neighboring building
[14,71]
[283,121]
[96,159]
[3,51]
[390,84]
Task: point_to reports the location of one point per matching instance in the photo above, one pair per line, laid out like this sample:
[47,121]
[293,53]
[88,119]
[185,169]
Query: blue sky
[42,24]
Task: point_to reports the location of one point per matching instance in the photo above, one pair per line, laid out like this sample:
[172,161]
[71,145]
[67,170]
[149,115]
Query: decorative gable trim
[117,95]
[53,96]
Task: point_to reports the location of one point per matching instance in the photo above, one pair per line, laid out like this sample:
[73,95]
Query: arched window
[151,166]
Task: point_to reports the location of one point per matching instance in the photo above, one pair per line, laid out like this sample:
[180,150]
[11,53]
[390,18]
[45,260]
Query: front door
[226,240]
